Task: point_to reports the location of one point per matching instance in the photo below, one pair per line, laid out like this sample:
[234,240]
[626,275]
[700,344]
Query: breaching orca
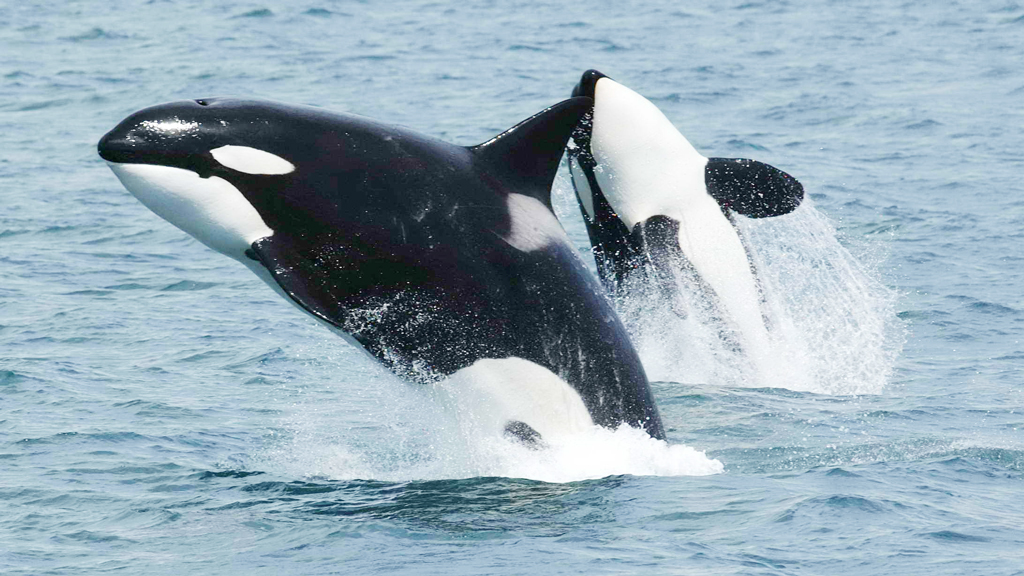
[438,260]
[651,201]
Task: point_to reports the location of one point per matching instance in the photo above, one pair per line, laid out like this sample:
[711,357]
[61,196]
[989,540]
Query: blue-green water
[163,412]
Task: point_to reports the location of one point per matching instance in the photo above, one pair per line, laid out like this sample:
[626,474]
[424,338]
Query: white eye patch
[251,160]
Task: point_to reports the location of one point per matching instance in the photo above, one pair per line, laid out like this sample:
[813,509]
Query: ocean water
[163,412]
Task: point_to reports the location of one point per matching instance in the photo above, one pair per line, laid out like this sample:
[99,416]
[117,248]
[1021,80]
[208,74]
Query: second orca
[651,202]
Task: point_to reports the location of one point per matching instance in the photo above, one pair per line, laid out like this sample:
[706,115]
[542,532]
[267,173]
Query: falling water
[831,321]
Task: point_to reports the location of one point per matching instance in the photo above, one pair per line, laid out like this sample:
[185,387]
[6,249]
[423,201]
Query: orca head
[633,159]
[195,163]
[642,166]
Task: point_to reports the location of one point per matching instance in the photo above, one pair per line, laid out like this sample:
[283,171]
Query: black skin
[396,238]
[748,187]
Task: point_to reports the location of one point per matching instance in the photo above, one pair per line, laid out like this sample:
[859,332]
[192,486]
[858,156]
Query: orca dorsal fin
[525,157]
[752,188]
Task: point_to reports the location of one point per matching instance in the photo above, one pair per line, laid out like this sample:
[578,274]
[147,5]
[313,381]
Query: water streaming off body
[831,321]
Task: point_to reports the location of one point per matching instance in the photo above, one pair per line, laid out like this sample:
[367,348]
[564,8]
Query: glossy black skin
[746,187]
[396,239]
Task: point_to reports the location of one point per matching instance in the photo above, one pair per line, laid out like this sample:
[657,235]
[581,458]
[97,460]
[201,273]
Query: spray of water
[419,432]
[831,321]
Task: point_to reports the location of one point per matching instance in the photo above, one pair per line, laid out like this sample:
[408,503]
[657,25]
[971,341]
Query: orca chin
[212,210]
[651,202]
[442,262]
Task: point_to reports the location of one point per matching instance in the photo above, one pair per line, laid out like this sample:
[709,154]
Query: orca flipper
[297,277]
[525,157]
[751,188]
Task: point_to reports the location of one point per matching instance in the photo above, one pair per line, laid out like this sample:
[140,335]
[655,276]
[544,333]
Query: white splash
[414,432]
[832,323]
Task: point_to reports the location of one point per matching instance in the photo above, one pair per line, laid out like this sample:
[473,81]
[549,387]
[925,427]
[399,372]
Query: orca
[651,202]
[445,263]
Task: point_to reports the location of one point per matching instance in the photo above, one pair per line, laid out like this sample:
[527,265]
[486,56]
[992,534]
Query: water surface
[163,412]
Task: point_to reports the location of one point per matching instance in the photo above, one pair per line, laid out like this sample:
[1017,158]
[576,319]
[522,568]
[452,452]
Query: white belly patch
[493,392]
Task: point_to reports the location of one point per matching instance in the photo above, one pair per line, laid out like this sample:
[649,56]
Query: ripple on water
[840,473]
[95,34]
[86,438]
[322,13]
[97,537]
[148,409]
[188,286]
[10,378]
[41,105]
[951,536]
[129,286]
[258,13]
[123,470]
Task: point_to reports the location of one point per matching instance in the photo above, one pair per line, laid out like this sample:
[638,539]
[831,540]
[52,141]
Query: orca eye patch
[251,160]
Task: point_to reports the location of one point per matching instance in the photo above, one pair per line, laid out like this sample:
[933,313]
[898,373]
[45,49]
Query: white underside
[647,168]
[493,392]
[209,209]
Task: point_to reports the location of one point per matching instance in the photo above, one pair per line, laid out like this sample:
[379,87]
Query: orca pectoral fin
[752,188]
[297,277]
[525,157]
